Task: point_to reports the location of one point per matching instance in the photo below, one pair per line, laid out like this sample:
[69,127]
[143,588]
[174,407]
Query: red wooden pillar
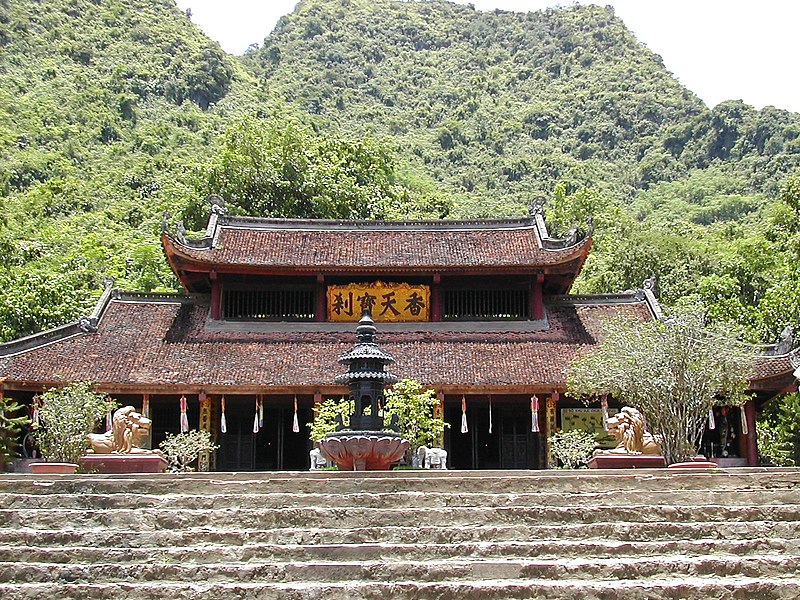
[321,310]
[537,298]
[752,445]
[436,298]
[216,297]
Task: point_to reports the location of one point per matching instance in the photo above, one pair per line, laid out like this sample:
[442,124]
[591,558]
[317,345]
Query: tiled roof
[162,343]
[375,246]
[774,366]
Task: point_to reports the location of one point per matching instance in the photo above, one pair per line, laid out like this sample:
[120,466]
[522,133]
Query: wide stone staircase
[404,534]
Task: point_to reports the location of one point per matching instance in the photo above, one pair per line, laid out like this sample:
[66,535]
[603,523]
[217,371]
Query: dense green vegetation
[503,110]
[113,111]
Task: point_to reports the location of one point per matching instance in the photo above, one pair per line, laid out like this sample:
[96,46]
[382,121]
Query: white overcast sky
[719,49]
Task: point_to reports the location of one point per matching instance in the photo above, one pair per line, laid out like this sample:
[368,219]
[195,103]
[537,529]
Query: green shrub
[66,416]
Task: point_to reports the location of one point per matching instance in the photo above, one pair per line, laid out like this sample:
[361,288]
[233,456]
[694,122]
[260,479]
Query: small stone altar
[364,445]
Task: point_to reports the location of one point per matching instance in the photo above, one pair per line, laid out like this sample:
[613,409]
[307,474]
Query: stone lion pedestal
[626,461]
[636,447]
[149,462]
[119,450]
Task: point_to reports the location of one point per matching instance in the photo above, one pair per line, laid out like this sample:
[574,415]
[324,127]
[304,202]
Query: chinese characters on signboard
[386,301]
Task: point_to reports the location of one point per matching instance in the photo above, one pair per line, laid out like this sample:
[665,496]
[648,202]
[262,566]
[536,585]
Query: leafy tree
[780,427]
[773,446]
[414,407]
[326,414]
[182,449]
[10,429]
[284,169]
[66,416]
[673,371]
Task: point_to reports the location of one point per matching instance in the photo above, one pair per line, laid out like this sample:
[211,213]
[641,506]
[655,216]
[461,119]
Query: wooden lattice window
[270,304]
[486,304]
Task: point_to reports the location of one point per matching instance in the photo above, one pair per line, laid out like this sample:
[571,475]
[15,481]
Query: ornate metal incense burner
[364,445]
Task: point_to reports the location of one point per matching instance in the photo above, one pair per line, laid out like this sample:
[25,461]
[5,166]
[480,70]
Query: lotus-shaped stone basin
[363,450]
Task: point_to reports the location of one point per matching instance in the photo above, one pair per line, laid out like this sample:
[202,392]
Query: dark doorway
[510,445]
[274,447]
[165,412]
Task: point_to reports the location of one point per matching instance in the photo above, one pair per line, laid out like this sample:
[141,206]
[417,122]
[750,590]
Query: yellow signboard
[386,301]
[588,419]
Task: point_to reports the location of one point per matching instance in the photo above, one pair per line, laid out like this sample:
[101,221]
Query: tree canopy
[113,112]
[673,371]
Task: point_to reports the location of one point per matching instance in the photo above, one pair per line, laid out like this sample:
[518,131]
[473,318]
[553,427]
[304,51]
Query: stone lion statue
[627,427]
[129,430]
[317,460]
[432,458]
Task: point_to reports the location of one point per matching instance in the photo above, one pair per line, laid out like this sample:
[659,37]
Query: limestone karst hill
[646,534]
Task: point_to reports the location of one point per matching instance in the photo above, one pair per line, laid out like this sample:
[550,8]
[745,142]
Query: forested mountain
[112,111]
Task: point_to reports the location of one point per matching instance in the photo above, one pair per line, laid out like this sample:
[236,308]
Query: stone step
[622,568]
[410,481]
[690,588]
[550,549]
[401,499]
[345,517]
[409,534]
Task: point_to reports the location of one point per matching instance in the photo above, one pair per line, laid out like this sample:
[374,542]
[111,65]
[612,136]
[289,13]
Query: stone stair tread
[412,499]
[764,588]
[206,553]
[623,531]
[430,570]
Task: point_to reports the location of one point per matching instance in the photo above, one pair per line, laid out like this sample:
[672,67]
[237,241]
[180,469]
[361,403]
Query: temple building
[478,310]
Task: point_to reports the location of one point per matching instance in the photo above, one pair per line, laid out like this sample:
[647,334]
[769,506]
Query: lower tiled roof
[161,343]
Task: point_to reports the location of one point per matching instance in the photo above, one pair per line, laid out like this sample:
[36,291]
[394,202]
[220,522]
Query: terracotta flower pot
[53,468]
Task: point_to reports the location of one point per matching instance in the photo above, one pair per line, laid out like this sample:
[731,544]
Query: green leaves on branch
[11,424]
[284,169]
[66,416]
[415,409]
[182,449]
[325,417]
[572,448]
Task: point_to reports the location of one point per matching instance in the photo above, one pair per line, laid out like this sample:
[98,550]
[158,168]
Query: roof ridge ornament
[165,217]
[218,205]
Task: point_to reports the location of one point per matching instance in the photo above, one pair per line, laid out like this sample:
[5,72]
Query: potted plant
[407,399]
[66,416]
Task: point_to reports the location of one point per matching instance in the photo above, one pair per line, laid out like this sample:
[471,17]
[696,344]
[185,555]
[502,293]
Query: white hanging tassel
[604,411]
[223,423]
[295,422]
[490,414]
[464,428]
[35,415]
[743,415]
[712,423]
[184,418]
[255,419]
[260,412]
[535,414]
